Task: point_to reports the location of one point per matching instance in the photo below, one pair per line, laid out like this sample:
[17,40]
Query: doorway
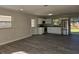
[74,25]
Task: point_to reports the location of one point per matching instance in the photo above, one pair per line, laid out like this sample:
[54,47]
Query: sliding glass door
[74,25]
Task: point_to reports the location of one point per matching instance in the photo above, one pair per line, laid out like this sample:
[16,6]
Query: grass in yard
[74,30]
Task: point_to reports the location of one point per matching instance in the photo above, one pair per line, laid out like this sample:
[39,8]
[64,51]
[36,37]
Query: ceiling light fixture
[50,14]
[21,9]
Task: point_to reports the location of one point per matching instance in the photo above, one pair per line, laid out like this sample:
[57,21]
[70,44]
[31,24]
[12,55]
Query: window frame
[5,21]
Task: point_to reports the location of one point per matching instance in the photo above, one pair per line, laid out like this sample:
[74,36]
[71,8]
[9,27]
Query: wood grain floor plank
[43,44]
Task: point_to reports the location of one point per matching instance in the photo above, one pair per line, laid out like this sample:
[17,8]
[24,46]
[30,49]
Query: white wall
[21,27]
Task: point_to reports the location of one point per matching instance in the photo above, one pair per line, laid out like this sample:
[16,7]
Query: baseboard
[3,43]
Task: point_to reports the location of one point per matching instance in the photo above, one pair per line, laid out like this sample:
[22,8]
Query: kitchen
[54,26]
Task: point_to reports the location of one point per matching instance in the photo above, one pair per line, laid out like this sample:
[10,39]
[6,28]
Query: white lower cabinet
[40,30]
[54,30]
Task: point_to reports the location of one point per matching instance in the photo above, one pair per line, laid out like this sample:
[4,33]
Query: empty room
[39,29]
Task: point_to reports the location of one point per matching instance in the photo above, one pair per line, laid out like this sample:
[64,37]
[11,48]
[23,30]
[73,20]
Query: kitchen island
[50,29]
[54,30]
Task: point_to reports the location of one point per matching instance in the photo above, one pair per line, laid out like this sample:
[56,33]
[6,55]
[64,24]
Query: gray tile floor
[43,44]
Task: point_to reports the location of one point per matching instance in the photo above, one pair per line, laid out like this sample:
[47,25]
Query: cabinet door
[40,20]
[40,30]
[54,30]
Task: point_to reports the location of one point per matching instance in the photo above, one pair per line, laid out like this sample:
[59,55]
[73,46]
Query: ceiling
[44,10]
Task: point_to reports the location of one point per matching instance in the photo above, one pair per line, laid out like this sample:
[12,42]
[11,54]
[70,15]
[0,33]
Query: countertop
[47,25]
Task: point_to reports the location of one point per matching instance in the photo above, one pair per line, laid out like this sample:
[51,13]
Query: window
[33,22]
[56,22]
[5,21]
